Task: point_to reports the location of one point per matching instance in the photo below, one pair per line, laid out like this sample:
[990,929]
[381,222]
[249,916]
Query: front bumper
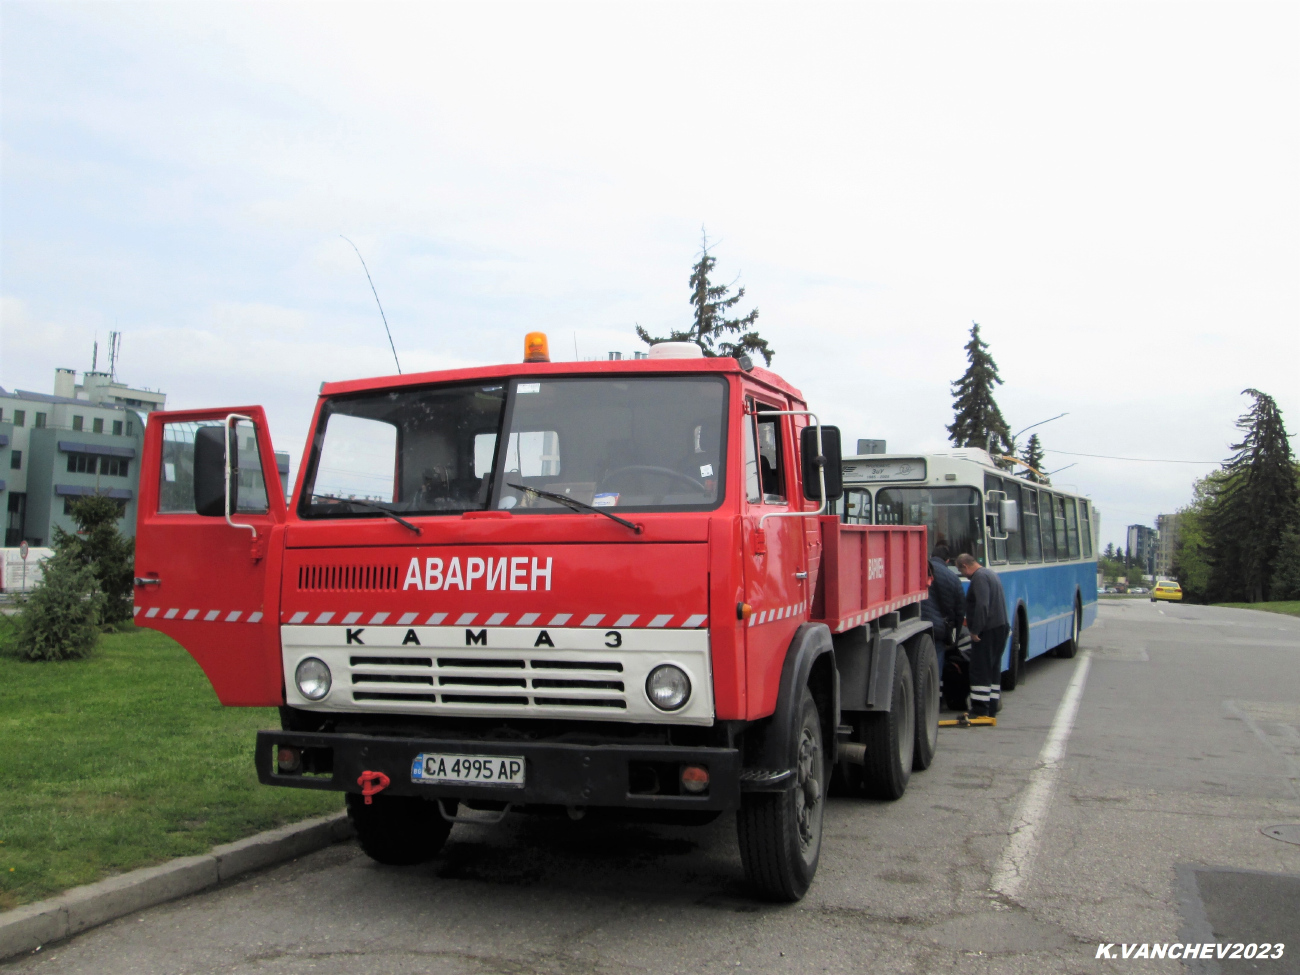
[557,774]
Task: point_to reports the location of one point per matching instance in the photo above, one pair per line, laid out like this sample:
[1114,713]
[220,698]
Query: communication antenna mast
[381,307]
[94,357]
[114,350]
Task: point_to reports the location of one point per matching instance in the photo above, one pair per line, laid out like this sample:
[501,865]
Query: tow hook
[372,783]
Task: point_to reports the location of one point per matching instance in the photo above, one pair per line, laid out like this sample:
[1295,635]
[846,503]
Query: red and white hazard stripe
[764,616]
[201,615]
[618,621]
[849,622]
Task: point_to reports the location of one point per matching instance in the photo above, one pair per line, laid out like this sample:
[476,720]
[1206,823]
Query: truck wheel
[398,830]
[780,833]
[1071,646]
[891,738]
[927,705]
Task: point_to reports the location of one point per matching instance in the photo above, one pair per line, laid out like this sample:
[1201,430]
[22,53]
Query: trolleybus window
[1086,518]
[994,492]
[952,515]
[1062,542]
[1029,518]
[1015,539]
[1072,527]
[1046,502]
[854,507]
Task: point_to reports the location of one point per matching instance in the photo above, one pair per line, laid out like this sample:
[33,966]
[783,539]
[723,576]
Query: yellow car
[1169,590]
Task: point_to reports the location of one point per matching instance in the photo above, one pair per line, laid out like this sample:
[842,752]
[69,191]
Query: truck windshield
[951,514]
[635,442]
[422,451]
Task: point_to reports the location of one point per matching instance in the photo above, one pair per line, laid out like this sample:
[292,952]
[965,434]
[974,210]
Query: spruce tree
[1255,505]
[1033,456]
[712,327]
[98,545]
[977,420]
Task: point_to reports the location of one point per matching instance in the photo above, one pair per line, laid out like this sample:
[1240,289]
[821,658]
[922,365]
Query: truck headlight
[313,678]
[668,687]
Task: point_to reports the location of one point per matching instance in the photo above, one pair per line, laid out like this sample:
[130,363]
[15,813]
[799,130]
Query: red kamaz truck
[549,586]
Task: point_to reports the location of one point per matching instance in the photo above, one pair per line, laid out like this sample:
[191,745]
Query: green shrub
[60,618]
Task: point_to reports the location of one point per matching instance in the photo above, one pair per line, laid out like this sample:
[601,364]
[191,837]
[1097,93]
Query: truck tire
[890,738]
[780,833]
[1071,646]
[398,830]
[927,704]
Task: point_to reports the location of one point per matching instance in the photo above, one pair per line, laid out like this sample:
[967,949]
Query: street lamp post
[1031,426]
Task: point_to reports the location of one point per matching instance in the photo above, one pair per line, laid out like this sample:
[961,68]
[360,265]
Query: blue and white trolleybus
[1041,540]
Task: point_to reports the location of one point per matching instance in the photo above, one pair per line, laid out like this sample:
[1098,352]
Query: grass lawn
[124,760]
[1289,607]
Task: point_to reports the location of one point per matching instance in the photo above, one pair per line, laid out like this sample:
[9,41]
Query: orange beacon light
[535,348]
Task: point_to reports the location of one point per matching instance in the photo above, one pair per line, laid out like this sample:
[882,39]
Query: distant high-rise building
[1166,546]
[1142,544]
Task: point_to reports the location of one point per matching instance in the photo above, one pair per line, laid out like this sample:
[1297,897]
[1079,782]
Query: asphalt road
[1150,828]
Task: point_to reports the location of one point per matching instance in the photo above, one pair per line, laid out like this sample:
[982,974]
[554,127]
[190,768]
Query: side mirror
[210,472]
[1008,516]
[833,458]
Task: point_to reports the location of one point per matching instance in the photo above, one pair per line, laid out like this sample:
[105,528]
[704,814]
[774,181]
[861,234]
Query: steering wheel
[664,471]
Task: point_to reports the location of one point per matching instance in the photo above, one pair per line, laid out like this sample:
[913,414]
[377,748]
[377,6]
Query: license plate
[438,768]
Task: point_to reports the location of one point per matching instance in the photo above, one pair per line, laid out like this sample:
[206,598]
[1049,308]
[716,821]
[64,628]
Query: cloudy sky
[1109,189]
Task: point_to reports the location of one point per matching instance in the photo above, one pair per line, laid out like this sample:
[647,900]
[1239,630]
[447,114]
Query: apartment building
[85,438]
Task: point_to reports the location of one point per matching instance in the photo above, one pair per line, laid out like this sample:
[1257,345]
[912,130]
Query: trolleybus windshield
[952,515]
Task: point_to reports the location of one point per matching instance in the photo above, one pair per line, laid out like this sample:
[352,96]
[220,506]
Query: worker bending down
[986,618]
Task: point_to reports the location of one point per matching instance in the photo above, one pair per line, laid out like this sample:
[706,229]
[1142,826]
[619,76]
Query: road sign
[23,549]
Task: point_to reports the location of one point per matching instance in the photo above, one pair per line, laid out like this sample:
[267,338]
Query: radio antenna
[387,331]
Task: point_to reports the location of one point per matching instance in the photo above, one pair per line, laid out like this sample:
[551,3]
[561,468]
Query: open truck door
[207,548]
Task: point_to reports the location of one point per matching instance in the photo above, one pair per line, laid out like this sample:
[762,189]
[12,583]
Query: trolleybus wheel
[927,704]
[1071,646]
[398,830]
[1015,675]
[891,738]
[780,833]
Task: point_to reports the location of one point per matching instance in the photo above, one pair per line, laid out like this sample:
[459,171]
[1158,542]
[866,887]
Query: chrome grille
[488,679]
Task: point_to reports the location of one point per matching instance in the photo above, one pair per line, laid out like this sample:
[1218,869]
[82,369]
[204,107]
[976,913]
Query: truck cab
[540,586]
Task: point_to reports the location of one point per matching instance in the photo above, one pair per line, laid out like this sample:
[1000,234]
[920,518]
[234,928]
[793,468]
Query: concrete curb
[26,928]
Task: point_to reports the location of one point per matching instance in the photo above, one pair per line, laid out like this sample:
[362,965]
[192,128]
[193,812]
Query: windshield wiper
[576,505]
[373,505]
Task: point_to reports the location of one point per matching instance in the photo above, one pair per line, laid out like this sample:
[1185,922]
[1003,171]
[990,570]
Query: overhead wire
[1139,460]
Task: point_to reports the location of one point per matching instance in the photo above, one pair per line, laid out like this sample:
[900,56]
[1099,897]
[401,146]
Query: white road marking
[1012,871]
